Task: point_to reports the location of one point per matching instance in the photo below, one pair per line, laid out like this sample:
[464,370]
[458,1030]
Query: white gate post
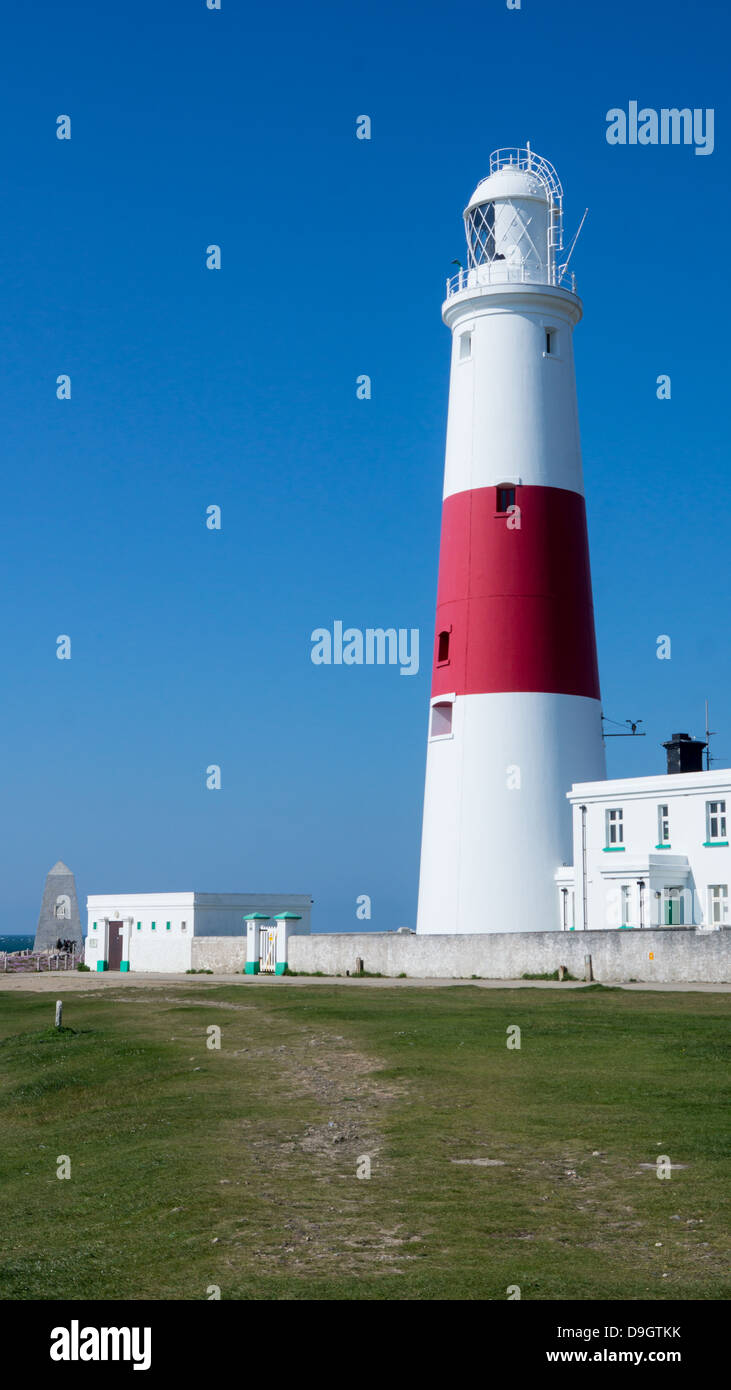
[253,921]
[285,925]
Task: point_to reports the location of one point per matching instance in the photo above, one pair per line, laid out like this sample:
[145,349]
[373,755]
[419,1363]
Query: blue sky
[237,388]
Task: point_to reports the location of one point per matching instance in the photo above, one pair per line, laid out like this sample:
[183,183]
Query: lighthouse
[514,716]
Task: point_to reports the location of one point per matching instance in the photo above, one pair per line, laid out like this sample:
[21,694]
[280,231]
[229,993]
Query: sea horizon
[17,942]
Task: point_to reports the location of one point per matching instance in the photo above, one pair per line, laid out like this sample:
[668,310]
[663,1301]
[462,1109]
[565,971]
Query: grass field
[193,1167]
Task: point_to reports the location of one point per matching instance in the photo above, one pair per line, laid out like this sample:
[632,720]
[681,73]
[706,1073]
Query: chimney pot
[684,754]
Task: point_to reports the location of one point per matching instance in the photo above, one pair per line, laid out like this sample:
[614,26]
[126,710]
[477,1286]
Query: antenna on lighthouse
[562,269]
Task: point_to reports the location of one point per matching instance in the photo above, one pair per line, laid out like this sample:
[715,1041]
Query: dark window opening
[551,342]
[505,498]
[443,648]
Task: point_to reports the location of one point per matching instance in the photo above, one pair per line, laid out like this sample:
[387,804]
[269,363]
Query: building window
[93,926]
[152,924]
[715,822]
[626,904]
[505,498]
[718,904]
[183,926]
[442,649]
[139,926]
[551,342]
[441,719]
[614,828]
[465,347]
[167,926]
[663,827]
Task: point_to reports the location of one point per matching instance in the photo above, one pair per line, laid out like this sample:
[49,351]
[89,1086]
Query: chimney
[685,754]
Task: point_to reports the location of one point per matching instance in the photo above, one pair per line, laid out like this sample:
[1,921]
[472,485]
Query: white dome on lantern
[508,183]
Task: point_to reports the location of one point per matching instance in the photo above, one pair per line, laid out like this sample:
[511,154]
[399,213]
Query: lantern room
[514,222]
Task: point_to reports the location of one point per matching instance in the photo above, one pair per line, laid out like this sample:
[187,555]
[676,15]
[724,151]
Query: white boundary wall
[665,955]
[223,954]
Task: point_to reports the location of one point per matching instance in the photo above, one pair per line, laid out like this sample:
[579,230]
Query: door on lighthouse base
[267,950]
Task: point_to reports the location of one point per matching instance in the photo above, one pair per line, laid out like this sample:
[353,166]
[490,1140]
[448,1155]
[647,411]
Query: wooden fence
[35,962]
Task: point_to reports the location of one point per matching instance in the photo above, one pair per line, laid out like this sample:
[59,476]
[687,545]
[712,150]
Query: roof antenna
[709,735]
[634,731]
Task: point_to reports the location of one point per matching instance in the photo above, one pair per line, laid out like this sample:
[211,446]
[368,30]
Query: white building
[155,931]
[649,852]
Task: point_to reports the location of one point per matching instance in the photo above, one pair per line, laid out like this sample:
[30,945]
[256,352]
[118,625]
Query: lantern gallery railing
[499,273]
[526,160]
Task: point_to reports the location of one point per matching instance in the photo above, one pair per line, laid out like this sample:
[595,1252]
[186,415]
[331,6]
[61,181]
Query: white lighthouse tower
[515,715]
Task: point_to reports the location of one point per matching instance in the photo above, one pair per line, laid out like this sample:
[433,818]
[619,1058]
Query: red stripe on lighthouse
[515,600]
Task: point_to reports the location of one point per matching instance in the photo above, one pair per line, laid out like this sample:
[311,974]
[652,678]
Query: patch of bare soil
[125,996]
[327,1207]
[347,1084]
[480,1162]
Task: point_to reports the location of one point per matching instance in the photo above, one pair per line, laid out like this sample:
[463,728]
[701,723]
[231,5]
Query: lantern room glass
[481,235]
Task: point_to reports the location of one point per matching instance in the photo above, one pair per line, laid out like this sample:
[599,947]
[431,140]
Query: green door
[673,907]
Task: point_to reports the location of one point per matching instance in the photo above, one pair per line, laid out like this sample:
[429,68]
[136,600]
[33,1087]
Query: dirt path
[66,981]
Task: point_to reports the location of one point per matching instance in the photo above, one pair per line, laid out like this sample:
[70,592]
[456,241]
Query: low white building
[155,931]
[649,851]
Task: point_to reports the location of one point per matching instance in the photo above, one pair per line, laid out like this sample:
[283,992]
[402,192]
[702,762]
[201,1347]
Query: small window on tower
[441,719]
[442,648]
[465,346]
[551,342]
[505,498]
